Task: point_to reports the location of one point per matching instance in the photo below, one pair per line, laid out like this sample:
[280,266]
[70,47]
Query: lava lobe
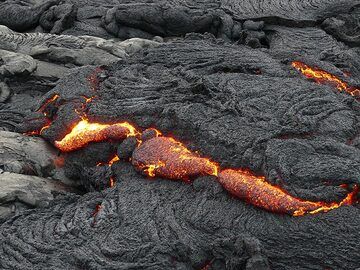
[168,158]
[85,132]
[255,190]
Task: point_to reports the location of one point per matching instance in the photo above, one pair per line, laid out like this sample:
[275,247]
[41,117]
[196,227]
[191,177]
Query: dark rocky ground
[216,75]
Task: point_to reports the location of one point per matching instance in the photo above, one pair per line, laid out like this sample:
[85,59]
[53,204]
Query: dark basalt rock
[215,75]
[173,226]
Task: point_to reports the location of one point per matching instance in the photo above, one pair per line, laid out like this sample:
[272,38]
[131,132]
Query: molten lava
[85,132]
[322,76]
[110,162]
[166,157]
[255,190]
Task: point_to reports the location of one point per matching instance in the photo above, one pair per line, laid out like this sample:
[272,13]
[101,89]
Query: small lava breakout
[323,77]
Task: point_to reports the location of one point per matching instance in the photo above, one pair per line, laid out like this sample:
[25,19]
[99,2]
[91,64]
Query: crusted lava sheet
[218,135]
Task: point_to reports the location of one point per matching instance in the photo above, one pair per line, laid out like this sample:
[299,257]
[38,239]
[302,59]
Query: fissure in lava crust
[324,77]
[168,158]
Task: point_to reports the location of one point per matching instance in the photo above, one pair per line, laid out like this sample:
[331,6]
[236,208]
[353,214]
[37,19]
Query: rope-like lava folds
[321,76]
[255,190]
[168,158]
[85,132]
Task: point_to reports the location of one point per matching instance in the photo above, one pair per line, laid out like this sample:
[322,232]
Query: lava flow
[322,76]
[166,157]
[255,190]
[85,132]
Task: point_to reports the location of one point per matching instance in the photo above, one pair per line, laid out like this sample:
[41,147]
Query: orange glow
[111,182]
[255,190]
[322,76]
[114,159]
[110,162]
[50,100]
[350,199]
[166,157]
[88,99]
[85,132]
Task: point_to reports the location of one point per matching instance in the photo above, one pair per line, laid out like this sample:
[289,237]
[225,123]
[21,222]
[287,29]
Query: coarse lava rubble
[265,137]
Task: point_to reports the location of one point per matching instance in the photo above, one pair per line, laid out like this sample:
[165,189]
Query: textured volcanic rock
[23,15]
[221,107]
[31,63]
[220,80]
[344,27]
[301,41]
[28,191]
[158,17]
[293,10]
[68,49]
[161,224]
[29,155]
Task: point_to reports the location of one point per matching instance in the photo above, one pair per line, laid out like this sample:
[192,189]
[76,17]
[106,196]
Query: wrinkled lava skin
[165,157]
[256,191]
[240,105]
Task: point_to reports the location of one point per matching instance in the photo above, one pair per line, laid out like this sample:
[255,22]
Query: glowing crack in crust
[168,158]
[85,132]
[322,76]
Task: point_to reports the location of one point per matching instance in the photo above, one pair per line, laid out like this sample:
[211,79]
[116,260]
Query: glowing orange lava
[47,102]
[166,157]
[110,162]
[85,132]
[257,191]
[322,76]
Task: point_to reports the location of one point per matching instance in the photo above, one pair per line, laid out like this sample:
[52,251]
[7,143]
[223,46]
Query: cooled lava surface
[226,135]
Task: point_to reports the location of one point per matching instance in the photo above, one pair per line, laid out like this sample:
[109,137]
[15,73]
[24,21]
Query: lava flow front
[85,132]
[322,76]
[166,157]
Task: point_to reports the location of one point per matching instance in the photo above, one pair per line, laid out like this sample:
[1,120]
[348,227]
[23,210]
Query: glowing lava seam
[322,76]
[258,192]
[85,132]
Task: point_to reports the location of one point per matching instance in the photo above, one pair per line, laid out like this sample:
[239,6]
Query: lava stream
[85,132]
[322,76]
[255,190]
[166,157]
